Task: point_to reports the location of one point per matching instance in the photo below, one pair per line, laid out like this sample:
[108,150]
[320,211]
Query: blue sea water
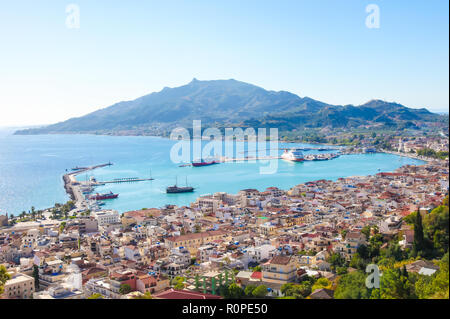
[31,169]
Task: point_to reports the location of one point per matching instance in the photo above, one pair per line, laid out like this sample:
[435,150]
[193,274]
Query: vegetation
[178,283]
[96,296]
[428,152]
[233,291]
[36,276]
[125,289]
[4,277]
[297,291]
[260,291]
[431,243]
[147,295]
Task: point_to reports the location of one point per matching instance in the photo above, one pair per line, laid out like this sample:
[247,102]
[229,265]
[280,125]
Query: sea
[31,170]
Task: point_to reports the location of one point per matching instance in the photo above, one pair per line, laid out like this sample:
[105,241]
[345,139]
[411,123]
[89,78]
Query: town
[298,243]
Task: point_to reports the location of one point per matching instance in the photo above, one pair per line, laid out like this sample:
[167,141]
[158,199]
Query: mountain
[232,103]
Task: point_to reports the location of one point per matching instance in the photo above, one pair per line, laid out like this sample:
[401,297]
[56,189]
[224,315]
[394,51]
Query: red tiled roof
[184,294]
[256,275]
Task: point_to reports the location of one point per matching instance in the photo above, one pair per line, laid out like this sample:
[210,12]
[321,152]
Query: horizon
[55,69]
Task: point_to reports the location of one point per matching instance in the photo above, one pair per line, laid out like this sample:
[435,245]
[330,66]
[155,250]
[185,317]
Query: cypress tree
[36,276]
[418,234]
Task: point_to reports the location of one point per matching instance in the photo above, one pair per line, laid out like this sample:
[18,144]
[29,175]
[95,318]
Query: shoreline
[80,201]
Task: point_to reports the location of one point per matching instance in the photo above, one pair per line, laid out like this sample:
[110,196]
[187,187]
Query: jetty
[124,180]
[74,188]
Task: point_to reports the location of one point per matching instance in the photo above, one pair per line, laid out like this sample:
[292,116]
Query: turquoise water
[31,169]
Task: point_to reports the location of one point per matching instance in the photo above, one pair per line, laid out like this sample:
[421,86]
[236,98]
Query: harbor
[309,157]
[79,191]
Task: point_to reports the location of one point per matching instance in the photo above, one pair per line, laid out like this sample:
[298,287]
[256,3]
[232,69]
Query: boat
[294,155]
[177,189]
[203,162]
[109,195]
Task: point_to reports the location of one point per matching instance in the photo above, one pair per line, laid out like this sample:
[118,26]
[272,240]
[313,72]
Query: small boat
[176,189]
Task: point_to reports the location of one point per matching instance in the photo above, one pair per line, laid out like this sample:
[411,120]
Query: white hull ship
[293,155]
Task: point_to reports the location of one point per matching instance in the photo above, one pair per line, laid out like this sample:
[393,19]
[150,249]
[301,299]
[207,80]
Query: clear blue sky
[125,49]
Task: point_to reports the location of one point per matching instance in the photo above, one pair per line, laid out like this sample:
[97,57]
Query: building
[106,217]
[4,220]
[59,292]
[194,241]
[20,286]
[280,269]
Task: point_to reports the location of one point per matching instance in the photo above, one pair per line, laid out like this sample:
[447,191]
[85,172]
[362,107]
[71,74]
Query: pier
[73,188]
[124,180]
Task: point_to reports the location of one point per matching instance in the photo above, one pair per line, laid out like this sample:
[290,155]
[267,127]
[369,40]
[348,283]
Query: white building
[106,217]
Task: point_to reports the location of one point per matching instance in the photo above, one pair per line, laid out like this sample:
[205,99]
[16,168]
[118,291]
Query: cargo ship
[294,155]
[202,162]
[109,195]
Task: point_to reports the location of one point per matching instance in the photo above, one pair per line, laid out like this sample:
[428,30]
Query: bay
[31,169]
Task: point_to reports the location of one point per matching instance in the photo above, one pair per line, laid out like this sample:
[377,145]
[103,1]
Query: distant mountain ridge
[233,103]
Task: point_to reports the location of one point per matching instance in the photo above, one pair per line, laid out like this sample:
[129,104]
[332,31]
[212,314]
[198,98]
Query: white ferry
[294,155]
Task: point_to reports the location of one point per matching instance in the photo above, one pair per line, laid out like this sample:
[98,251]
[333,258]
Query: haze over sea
[31,169]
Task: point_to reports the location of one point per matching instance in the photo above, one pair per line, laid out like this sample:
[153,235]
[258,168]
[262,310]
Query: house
[20,286]
[280,269]
[322,294]
[59,292]
[152,284]
[195,240]
[422,267]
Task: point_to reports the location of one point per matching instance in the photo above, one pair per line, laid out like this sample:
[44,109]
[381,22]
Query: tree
[297,291]
[124,289]
[249,290]
[62,226]
[95,296]
[234,291]
[336,260]
[435,286]
[321,283]
[352,286]
[4,277]
[36,276]
[394,285]
[178,283]
[366,231]
[260,291]
[147,295]
[418,243]
[436,229]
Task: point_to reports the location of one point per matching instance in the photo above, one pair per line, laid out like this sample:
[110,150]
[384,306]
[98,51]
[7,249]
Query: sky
[50,70]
